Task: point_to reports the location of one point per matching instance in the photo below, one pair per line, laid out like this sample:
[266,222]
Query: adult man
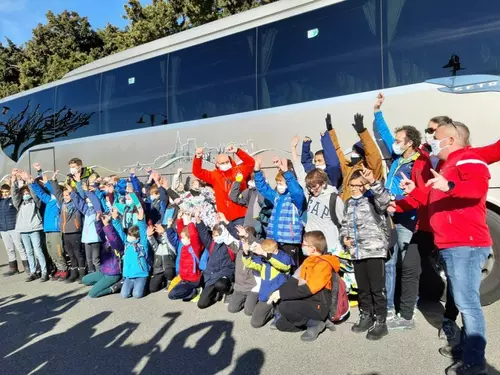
[76,166]
[222,179]
[457,211]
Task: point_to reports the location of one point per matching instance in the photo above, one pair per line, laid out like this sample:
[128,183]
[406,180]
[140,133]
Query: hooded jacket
[70,218]
[366,148]
[312,282]
[89,233]
[111,251]
[135,257]
[222,181]
[359,224]
[29,218]
[255,203]
[319,217]
[52,213]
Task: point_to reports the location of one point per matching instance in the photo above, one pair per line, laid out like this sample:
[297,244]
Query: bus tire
[490,284]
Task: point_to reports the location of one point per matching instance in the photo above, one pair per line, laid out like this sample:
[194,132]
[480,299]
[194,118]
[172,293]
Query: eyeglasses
[355,186]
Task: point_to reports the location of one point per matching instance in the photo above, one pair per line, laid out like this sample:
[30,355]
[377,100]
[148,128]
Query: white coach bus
[258,78]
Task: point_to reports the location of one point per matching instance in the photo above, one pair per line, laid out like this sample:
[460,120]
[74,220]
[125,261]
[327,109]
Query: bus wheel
[490,284]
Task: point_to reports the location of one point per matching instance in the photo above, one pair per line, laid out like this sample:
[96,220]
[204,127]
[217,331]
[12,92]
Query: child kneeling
[305,299]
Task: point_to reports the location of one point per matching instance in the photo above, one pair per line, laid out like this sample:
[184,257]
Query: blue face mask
[129,202]
[132,240]
[26,197]
[153,198]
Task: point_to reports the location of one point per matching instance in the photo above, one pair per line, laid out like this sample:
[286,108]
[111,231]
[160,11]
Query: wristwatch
[451,185]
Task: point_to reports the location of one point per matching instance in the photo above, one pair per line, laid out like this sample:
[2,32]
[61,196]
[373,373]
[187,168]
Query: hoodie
[135,257]
[89,233]
[51,215]
[28,218]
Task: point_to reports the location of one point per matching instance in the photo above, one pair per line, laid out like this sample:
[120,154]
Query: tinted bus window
[324,53]
[27,122]
[134,96]
[213,79]
[421,37]
[77,109]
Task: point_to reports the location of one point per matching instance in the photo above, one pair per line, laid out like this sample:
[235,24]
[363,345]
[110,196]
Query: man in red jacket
[222,179]
[457,210]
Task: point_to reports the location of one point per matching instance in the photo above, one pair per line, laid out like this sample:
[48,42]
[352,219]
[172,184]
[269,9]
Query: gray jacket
[164,253]
[367,232]
[245,279]
[28,218]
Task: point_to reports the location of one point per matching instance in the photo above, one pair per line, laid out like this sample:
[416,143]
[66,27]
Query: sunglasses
[432,131]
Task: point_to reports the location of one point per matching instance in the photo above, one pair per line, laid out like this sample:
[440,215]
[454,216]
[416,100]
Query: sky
[19,17]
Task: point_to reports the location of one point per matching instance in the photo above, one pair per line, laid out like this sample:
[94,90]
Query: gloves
[274,297]
[358,123]
[328,121]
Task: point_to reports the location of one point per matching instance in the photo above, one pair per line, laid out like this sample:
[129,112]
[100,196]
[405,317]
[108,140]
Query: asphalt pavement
[53,328]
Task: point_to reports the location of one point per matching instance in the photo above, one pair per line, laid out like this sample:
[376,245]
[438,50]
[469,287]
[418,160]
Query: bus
[258,78]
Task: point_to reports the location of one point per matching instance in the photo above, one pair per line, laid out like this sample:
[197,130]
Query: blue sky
[19,17]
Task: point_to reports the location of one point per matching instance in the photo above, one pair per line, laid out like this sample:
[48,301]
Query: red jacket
[222,182]
[458,217]
[490,154]
[188,268]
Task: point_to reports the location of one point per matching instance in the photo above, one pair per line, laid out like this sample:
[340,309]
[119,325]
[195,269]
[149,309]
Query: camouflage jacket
[366,231]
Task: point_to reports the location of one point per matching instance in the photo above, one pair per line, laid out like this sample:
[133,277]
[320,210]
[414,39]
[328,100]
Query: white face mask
[436,146]
[251,184]
[396,148]
[73,170]
[185,241]
[219,240]
[322,167]
[355,158]
[429,138]
[225,167]
[129,202]
[131,239]
[281,188]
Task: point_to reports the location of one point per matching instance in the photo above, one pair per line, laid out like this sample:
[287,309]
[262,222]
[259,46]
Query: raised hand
[197,214]
[406,184]
[170,222]
[368,175]
[242,232]
[54,176]
[151,231]
[199,152]
[159,229]
[328,121]
[295,142]
[258,164]
[140,213]
[347,242]
[114,213]
[222,218]
[37,166]
[149,170]
[307,140]
[231,149]
[358,123]
[132,171]
[379,102]
[105,219]
[438,182]
[77,176]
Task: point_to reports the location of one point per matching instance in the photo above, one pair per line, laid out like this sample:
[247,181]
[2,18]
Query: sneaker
[273,325]
[32,277]
[227,299]
[56,276]
[365,321]
[44,278]
[196,297]
[460,368]
[453,352]
[377,330]
[391,315]
[63,275]
[329,325]
[448,330]
[400,323]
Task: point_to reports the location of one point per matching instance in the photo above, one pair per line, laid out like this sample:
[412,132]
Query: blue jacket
[52,214]
[89,233]
[219,263]
[135,257]
[332,161]
[398,166]
[8,215]
[285,224]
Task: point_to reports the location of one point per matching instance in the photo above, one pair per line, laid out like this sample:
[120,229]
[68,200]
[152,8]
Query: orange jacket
[314,275]
[222,182]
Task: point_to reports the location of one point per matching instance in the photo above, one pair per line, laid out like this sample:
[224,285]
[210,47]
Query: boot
[32,277]
[81,274]
[55,277]
[26,267]
[365,321]
[73,275]
[314,328]
[63,275]
[330,325]
[12,269]
[377,330]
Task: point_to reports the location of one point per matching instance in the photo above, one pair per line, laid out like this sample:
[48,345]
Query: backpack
[385,222]
[340,308]
[206,254]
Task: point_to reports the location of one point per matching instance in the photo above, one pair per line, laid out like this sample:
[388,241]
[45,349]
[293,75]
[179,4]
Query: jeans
[101,283]
[134,286]
[185,290]
[32,242]
[463,266]
[93,255]
[404,238]
[12,241]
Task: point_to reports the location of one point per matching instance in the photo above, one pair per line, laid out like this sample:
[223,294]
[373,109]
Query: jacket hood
[329,190]
[332,260]
[358,147]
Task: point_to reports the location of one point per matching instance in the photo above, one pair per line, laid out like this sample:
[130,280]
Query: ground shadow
[432,311]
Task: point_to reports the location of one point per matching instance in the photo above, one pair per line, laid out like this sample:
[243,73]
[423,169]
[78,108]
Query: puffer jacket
[29,218]
[112,251]
[71,218]
[164,254]
[135,257]
[8,215]
[368,234]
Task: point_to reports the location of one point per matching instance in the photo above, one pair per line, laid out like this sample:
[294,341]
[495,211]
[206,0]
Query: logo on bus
[471,88]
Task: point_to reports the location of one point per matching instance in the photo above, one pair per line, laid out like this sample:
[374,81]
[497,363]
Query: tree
[11,58]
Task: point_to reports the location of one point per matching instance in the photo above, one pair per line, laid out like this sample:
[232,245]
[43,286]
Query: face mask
[356,196]
[185,241]
[355,158]
[20,183]
[251,184]
[132,240]
[225,167]
[436,146]
[281,188]
[26,197]
[129,202]
[218,240]
[153,197]
[429,138]
[73,170]
[305,252]
[322,167]
[396,148]
[195,188]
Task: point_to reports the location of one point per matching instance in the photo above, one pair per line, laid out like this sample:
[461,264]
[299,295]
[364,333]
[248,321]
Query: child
[11,238]
[164,260]
[29,224]
[365,237]
[305,299]
[274,266]
[71,227]
[247,282]
[111,254]
[285,224]
[218,275]
[135,258]
[190,247]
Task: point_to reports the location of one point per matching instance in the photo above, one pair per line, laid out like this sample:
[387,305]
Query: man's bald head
[223,162]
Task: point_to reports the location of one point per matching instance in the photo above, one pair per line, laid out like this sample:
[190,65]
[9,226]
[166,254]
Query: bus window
[134,96]
[77,109]
[325,53]
[215,78]
[421,36]
[27,122]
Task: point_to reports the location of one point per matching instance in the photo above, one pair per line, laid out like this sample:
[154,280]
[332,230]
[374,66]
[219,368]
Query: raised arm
[306,157]
[333,168]
[383,129]
[40,193]
[198,170]
[490,154]
[195,239]
[58,193]
[340,153]
[247,163]
[372,154]
[14,193]
[296,191]
[204,234]
[263,187]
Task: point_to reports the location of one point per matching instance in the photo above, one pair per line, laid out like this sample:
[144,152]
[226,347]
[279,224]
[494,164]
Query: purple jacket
[111,251]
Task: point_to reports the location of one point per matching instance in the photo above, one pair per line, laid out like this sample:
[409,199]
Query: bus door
[46,157]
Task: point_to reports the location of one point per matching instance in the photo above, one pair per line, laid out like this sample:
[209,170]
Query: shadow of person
[10,299]
[250,363]
[492,370]
[432,311]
